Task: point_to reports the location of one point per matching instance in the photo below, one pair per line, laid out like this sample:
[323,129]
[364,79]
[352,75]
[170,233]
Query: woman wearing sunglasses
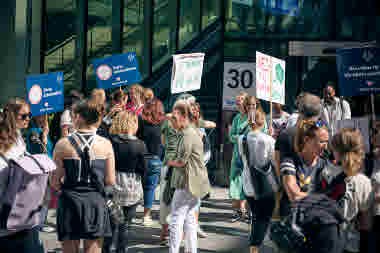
[302,173]
[15,117]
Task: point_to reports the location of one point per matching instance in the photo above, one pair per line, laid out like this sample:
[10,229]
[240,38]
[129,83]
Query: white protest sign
[187,72]
[238,77]
[270,78]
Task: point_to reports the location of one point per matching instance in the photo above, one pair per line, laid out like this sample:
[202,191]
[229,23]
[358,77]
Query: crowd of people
[111,154]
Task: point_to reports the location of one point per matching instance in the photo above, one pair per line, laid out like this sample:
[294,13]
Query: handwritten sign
[187,72]
[45,93]
[270,78]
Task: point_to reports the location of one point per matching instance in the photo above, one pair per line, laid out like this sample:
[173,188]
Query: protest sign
[238,77]
[45,93]
[187,72]
[270,78]
[358,70]
[117,70]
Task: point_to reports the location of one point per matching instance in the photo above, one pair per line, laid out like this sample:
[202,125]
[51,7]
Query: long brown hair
[8,127]
[153,112]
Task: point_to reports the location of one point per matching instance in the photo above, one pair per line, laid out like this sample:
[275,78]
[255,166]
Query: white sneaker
[201,233]
[147,221]
[48,229]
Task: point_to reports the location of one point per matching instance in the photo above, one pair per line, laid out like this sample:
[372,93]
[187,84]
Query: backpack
[24,191]
[264,180]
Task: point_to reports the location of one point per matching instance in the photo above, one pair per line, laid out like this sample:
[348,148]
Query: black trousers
[262,210]
[22,242]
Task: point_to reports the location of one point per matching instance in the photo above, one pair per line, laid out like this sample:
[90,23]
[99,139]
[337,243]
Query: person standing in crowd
[136,93]
[239,127]
[130,168]
[348,149]
[66,122]
[334,108]
[15,117]
[86,162]
[98,96]
[149,131]
[261,152]
[293,118]
[38,142]
[118,102]
[279,120]
[190,179]
[301,173]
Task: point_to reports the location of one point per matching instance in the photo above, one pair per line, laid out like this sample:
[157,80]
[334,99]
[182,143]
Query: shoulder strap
[341,106]
[75,145]
[245,148]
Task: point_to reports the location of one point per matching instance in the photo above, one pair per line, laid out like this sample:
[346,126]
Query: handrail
[60,45]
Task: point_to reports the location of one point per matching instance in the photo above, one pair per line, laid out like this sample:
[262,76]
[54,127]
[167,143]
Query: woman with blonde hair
[148,95]
[259,153]
[348,149]
[136,93]
[85,168]
[130,168]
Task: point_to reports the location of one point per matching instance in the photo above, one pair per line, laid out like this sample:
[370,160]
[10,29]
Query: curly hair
[123,122]
[8,129]
[349,144]
[153,112]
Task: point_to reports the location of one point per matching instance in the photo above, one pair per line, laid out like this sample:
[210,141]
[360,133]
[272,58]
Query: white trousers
[183,221]
[164,209]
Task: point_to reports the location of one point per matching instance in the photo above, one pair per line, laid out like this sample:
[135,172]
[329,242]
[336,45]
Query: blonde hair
[348,143]
[148,95]
[123,122]
[138,90]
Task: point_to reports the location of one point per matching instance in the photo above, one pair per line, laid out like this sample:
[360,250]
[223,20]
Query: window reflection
[99,39]
[59,48]
[291,17]
[161,32]
[210,12]
[133,30]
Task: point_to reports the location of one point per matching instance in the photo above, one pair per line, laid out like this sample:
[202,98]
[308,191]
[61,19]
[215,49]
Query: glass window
[187,28]
[308,19]
[161,32]
[99,39]
[210,11]
[133,30]
[59,48]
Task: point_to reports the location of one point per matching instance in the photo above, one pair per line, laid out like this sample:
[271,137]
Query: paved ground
[215,217]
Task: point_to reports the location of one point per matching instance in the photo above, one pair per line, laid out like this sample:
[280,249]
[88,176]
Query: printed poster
[45,93]
[187,72]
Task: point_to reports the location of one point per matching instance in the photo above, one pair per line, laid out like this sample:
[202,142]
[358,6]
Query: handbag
[168,193]
[264,180]
[287,235]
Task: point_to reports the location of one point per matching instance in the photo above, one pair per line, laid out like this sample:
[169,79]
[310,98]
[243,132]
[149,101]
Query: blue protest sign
[45,93]
[358,70]
[289,7]
[117,70]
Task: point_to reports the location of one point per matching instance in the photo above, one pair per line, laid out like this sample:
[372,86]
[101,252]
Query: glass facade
[161,32]
[210,11]
[59,40]
[188,21]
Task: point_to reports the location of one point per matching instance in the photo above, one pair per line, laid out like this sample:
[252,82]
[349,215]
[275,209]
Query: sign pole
[270,92]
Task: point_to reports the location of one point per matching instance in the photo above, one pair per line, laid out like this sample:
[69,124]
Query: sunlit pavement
[216,213]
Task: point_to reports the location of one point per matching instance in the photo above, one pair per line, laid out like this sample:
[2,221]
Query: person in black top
[85,166]
[130,167]
[150,132]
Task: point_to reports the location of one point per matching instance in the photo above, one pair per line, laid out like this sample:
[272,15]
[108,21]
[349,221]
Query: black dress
[82,212]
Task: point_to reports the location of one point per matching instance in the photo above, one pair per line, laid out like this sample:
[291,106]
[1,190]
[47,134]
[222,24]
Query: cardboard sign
[187,72]
[117,70]
[270,78]
[238,77]
[45,93]
[358,70]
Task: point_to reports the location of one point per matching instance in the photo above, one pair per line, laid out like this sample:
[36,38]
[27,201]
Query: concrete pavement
[215,217]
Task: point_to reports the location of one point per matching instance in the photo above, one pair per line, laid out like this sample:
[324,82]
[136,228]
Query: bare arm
[292,189]
[57,176]
[277,161]
[209,124]
[110,175]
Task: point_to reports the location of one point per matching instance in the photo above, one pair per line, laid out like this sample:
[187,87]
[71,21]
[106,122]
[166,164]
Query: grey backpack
[24,191]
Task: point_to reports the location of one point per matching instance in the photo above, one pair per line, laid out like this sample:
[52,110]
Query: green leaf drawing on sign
[279,73]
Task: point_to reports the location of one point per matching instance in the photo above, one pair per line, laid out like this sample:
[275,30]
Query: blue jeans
[151,180]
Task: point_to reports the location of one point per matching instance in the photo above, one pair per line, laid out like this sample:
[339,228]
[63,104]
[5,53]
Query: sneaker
[236,216]
[201,233]
[147,221]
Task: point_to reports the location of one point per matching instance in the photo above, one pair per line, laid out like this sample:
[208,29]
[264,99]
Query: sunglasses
[321,123]
[26,116]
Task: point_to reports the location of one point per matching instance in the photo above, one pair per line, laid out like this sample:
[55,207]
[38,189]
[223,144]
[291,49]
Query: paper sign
[270,78]
[117,70]
[45,93]
[238,77]
[358,71]
[187,72]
